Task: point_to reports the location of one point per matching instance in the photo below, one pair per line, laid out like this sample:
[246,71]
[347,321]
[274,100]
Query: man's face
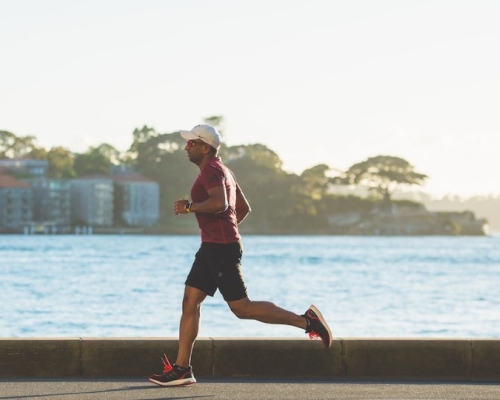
[195,150]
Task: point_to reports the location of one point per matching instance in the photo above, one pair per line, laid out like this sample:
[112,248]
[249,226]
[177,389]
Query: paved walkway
[119,388]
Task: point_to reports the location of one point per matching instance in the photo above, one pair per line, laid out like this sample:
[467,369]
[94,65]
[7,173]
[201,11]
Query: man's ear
[208,149]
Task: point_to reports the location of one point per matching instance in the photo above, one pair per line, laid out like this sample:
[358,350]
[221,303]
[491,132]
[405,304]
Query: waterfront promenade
[236,368]
[246,389]
[271,358]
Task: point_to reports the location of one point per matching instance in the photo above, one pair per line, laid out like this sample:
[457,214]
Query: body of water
[132,286]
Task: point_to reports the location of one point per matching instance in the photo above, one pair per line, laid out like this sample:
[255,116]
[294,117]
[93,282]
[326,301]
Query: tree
[315,180]
[60,163]
[7,139]
[266,185]
[38,153]
[258,153]
[383,174]
[216,121]
[95,161]
[111,153]
[162,158]
[140,136]
[12,146]
[278,200]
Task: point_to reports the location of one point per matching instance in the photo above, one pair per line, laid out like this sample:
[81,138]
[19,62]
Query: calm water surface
[131,286]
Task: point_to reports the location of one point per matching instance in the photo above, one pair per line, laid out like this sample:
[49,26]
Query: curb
[346,359]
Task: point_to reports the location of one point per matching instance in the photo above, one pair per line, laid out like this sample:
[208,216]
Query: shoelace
[167,367]
[314,335]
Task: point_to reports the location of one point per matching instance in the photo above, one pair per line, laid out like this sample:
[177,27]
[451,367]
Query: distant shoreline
[181,233]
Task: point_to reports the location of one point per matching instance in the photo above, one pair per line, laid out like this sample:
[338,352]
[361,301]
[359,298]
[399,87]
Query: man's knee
[191,301]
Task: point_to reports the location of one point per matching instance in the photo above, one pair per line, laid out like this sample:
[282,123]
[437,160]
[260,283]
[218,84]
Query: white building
[140,199]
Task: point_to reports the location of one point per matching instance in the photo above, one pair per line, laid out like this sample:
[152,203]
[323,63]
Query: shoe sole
[178,382]
[322,320]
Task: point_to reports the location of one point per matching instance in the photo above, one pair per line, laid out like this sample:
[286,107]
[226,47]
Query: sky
[318,81]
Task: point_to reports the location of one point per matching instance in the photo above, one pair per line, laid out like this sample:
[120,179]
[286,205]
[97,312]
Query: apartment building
[92,201]
[139,199]
[26,167]
[41,203]
[16,203]
[51,201]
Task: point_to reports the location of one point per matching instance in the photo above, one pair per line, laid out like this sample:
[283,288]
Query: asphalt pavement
[140,388]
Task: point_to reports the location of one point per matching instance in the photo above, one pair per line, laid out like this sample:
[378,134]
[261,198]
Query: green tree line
[281,201]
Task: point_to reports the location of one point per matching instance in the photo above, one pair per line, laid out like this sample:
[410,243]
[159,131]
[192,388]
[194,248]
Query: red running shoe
[173,375]
[317,328]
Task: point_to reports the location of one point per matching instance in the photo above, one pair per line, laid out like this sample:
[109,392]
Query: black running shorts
[218,266]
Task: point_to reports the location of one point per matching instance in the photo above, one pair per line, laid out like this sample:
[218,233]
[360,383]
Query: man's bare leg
[189,324]
[267,312]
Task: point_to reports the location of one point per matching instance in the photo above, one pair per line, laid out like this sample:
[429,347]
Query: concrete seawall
[347,359]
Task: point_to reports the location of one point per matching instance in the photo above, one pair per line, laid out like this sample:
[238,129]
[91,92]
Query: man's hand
[180,206]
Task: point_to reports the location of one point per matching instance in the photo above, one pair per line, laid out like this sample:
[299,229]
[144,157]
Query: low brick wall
[347,359]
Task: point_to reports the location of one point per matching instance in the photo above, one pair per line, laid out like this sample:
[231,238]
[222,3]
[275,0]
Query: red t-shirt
[221,227]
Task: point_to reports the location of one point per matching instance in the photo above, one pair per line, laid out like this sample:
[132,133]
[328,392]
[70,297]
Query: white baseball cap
[206,133]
